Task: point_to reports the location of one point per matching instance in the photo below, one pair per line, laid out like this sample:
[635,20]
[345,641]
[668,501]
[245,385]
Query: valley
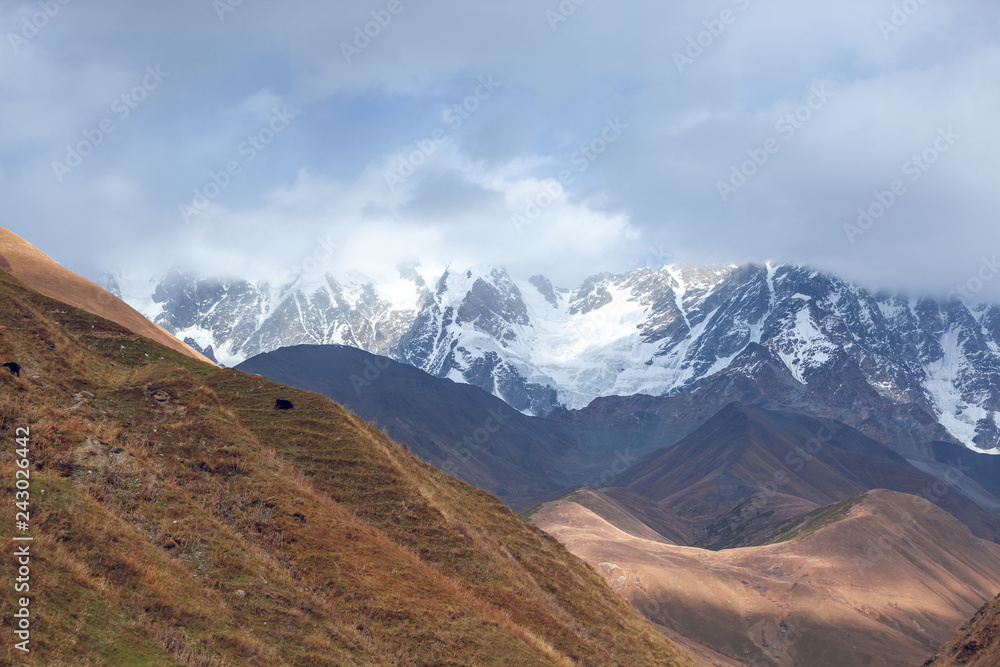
[754,515]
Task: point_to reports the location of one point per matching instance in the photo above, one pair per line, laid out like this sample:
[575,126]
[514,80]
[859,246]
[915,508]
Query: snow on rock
[649,331]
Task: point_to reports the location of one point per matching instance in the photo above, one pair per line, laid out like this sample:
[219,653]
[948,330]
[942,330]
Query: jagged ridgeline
[178,518]
[811,341]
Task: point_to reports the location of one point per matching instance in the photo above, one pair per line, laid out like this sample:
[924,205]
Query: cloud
[895,80]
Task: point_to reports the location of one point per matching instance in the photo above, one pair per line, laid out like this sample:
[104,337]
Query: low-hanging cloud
[723,152]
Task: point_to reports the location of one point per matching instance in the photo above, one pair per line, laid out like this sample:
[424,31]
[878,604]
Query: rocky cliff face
[924,366]
[240,319]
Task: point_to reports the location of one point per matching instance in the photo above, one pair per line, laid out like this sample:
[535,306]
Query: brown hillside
[41,273]
[179,519]
[880,579]
[977,644]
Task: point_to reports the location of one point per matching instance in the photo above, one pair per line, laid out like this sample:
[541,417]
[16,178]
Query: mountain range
[930,370]
[169,515]
[632,484]
[757,511]
[655,446]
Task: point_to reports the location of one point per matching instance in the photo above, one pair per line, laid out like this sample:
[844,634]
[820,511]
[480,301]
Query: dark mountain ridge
[716,477]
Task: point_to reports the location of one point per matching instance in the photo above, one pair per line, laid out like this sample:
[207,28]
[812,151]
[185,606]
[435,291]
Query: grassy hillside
[810,523]
[976,644]
[179,519]
[44,275]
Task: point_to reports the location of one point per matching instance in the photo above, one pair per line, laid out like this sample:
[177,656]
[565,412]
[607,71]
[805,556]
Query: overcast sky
[242,137]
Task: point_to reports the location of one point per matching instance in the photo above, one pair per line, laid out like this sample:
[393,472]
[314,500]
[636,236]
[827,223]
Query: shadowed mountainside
[713,464]
[456,427]
[748,470]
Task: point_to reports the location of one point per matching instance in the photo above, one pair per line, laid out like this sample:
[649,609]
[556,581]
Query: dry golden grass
[184,521]
[42,274]
[976,644]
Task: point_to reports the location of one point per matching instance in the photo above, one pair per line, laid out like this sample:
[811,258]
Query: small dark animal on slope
[14,368]
[282,404]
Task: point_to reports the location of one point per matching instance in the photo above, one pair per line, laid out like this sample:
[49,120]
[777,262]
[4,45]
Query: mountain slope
[729,477]
[879,579]
[933,368]
[976,644]
[42,274]
[747,470]
[456,427]
[179,519]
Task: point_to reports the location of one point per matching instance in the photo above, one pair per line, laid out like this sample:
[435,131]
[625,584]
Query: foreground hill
[977,644]
[880,579]
[179,519]
[41,273]
[456,427]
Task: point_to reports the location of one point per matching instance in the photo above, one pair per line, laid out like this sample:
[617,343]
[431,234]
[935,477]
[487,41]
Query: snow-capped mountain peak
[648,331]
